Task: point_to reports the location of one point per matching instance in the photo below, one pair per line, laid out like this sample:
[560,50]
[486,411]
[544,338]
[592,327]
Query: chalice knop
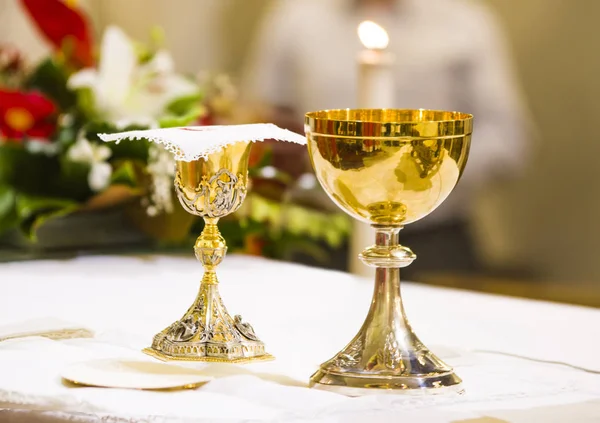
[211,187]
[387,168]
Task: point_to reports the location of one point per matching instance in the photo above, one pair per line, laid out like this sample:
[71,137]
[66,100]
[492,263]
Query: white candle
[375,88]
[375,74]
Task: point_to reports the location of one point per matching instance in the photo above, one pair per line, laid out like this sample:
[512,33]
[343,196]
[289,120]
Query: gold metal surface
[74,383]
[387,168]
[211,188]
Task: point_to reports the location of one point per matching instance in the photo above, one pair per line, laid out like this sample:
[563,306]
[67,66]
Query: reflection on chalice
[387,168]
[211,187]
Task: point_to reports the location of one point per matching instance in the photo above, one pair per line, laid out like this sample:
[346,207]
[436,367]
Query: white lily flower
[161,166]
[126,90]
[96,156]
[99,176]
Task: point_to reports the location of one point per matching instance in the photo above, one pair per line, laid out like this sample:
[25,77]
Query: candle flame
[373,36]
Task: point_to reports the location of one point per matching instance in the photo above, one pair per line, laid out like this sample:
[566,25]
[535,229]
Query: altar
[520,360]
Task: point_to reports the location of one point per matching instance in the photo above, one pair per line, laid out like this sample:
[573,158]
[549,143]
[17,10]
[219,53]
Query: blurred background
[536,234]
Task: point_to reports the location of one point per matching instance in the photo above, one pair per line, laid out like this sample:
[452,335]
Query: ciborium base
[163,357]
[208,333]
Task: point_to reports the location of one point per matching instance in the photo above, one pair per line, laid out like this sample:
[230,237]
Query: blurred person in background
[449,55]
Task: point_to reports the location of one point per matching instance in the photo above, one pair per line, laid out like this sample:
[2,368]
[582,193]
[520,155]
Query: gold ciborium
[387,168]
[211,187]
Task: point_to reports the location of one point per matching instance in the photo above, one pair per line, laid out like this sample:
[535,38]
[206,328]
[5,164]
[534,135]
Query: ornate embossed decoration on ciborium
[212,188]
[387,168]
[211,181]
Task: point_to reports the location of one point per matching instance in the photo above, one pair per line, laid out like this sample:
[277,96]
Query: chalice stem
[387,294]
[387,314]
[385,353]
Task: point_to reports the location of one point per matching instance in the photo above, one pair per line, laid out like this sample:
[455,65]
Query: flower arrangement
[52,163]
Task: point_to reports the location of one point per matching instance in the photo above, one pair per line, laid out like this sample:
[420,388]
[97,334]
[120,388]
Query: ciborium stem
[386,353]
[210,248]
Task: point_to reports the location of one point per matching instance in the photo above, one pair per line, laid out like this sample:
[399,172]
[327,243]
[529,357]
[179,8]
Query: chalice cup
[211,187]
[387,168]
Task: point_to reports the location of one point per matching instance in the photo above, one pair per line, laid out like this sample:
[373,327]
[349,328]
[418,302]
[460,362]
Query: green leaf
[40,175]
[291,245]
[230,230]
[124,174]
[183,105]
[8,153]
[130,149]
[66,136]
[26,171]
[73,181]
[8,213]
[33,211]
[51,79]
[86,103]
[173,120]
[157,36]
[183,111]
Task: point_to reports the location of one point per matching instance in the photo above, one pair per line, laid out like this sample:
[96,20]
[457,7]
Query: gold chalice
[387,168]
[212,188]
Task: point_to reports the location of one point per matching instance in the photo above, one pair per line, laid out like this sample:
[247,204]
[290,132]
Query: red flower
[206,119]
[258,151]
[59,24]
[25,114]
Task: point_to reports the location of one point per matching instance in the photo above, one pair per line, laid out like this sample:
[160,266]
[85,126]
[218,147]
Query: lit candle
[375,77]
[375,88]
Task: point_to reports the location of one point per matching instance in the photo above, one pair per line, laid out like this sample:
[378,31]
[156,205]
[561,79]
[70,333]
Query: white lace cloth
[304,315]
[193,142]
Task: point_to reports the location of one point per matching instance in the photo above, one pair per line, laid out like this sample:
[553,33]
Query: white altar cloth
[304,315]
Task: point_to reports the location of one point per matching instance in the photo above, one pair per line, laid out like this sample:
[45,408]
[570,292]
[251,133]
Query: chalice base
[208,333]
[354,384]
[371,364]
